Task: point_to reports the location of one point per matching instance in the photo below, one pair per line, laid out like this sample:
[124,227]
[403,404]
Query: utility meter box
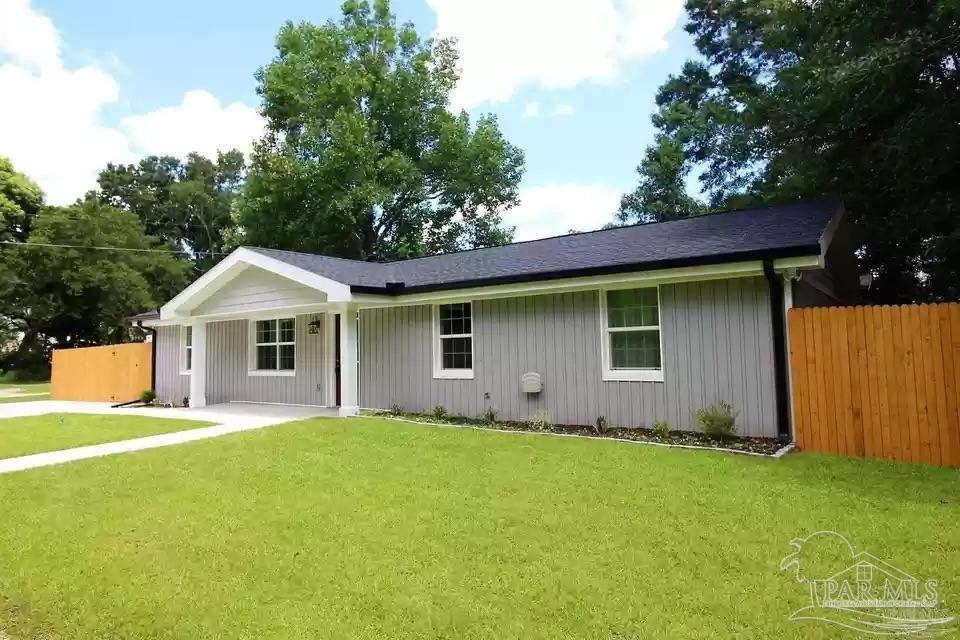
[531,382]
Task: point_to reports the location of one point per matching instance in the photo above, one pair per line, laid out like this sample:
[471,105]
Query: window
[186,349]
[453,344]
[274,347]
[631,342]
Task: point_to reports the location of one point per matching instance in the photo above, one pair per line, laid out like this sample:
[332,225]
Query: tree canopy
[20,202]
[184,204]
[362,157]
[76,295]
[859,99]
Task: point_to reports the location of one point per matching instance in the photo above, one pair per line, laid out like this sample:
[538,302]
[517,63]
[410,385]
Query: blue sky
[572,84]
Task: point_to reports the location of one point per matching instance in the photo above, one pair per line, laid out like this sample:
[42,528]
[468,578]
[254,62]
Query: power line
[78,246]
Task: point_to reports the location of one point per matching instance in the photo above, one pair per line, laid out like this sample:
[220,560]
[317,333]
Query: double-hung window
[186,349]
[631,334]
[274,347]
[453,341]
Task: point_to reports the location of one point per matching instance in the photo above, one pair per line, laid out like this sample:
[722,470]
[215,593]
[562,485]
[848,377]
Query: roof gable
[257,289]
[190,300]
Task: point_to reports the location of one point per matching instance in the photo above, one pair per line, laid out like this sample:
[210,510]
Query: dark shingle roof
[146,315]
[748,234]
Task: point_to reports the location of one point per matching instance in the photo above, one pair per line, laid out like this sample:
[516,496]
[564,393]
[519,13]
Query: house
[636,324]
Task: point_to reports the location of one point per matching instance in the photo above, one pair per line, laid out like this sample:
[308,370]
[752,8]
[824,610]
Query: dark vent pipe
[781,389]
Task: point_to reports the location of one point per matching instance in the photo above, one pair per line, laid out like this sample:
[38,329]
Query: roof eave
[786,252]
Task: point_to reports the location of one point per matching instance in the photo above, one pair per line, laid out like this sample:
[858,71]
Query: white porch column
[198,368]
[349,365]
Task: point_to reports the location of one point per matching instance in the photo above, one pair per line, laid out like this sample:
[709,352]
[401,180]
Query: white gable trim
[215,279]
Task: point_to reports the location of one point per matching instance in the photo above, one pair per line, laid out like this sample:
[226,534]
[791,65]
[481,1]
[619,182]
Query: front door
[336,356]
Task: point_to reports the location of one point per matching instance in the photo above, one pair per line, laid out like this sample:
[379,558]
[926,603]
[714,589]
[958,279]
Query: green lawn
[52,432]
[26,388]
[366,528]
[45,396]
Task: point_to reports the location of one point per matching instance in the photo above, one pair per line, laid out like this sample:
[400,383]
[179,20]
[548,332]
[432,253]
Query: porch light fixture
[314,326]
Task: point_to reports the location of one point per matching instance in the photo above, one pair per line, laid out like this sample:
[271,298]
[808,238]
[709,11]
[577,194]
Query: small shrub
[396,411]
[186,402]
[601,426]
[718,420]
[439,411]
[489,415]
[148,396]
[540,421]
[661,429]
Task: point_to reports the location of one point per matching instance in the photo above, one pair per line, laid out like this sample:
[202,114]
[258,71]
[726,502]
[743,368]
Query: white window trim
[252,348]
[630,375]
[182,350]
[439,373]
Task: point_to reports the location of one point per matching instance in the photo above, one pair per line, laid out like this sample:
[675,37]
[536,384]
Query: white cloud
[556,208]
[28,37]
[51,116]
[531,110]
[198,123]
[507,44]
[563,110]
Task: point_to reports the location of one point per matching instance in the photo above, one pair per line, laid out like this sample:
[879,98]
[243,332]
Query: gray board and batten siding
[228,378]
[717,345]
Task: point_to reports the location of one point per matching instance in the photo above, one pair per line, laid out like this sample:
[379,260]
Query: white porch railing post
[198,369]
[349,365]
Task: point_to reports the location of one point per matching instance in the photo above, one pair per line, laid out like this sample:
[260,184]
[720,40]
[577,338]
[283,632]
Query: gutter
[781,388]
[153,354]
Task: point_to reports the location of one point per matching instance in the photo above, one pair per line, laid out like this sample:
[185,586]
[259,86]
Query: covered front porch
[252,330]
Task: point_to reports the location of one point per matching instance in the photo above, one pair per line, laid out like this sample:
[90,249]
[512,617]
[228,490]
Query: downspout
[781,389]
[153,354]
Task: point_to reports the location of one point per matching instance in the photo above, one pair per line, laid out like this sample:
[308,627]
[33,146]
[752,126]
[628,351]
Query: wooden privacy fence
[114,373]
[878,381]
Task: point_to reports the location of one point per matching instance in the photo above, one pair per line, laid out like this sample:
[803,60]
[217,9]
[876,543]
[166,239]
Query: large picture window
[453,345]
[274,346]
[632,346]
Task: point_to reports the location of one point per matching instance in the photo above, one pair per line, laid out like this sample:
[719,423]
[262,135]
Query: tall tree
[63,297]
[20,202]
[362,157]
[859,98]
[185,204]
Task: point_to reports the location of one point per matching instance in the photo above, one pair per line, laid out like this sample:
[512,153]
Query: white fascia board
[612,281]
[156,323]
[228,268]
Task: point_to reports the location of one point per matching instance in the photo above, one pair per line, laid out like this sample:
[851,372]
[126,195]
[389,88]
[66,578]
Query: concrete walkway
[227,418]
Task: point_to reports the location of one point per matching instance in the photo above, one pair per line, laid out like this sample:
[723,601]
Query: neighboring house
[636,324]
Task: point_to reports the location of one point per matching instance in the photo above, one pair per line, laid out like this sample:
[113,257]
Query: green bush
[661,429]
[540,421]
[148,396]
[396,410]
[489,416]
[718,420]
[439,411]
[601,426]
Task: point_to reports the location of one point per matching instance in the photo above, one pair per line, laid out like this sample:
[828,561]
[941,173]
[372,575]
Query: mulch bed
[763,446]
